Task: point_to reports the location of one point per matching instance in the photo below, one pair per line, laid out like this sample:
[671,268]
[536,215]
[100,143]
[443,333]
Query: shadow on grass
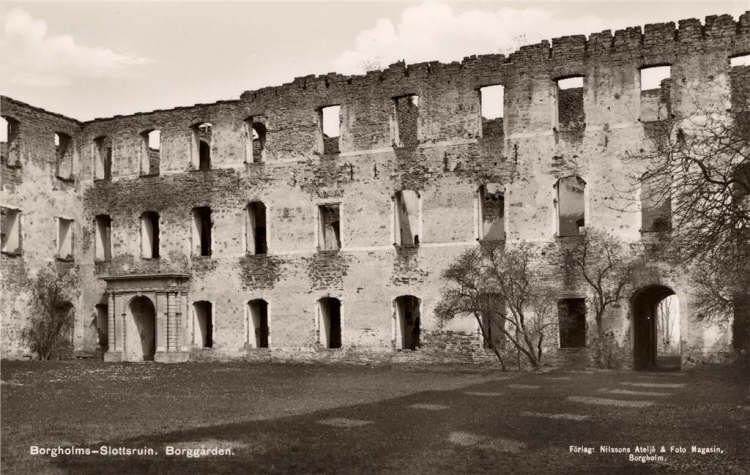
[405,439]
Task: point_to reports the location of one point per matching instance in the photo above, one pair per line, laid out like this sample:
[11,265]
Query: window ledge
[69,179]
[65,259]
[146,175]
[150,258]
[13,165]
[11,253]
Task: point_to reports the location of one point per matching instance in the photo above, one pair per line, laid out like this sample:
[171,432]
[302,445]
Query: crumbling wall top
[564,55]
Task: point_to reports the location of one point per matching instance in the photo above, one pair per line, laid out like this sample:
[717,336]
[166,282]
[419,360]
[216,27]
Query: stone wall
[437,149]
[32,186]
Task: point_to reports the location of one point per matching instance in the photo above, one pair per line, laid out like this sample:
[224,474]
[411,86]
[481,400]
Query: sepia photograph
[384,237]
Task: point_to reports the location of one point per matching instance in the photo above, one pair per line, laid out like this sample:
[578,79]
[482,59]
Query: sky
[98,59]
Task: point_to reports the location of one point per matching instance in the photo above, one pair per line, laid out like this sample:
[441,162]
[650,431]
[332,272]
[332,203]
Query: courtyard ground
[315,418]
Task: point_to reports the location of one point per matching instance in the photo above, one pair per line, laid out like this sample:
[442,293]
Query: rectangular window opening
[492,212]
[571,206]
[656,206]
[10,147]
[654,77]
[491,99]
[329,230]
[64,238]
[408,321]
[103,158]
[150,235]
[102,238]
[407,219]
[10,230]
[255,228]
[656,86]
[202,141]
[202,225]
[151,153]
[204,324]
[256,136]
[64,155]
[407,120]
[572,322]
[570,113]
[330,118]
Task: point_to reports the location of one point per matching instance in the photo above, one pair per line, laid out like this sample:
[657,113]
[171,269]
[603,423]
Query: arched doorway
[144,316]
[258,320]
[655,312]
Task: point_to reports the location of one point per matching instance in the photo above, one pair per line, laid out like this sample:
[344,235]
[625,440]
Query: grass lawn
[294,418]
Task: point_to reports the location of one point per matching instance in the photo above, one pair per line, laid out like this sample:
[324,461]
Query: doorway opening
[656,332]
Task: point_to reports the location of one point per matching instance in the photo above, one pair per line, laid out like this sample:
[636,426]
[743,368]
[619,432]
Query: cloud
[32,57]
[435,31]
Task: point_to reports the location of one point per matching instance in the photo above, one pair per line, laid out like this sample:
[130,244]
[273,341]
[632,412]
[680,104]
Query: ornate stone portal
[147,317]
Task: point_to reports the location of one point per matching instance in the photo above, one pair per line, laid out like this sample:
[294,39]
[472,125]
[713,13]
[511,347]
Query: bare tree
[52,317]
[498,286]
[605,265]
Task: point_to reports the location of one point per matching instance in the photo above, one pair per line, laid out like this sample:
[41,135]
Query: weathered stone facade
[416,128]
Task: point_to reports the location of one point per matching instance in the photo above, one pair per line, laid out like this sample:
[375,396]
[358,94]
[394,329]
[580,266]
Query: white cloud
[435,31]
[32,57]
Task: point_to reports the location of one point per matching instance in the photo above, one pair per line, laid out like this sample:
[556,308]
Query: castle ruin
[313,219]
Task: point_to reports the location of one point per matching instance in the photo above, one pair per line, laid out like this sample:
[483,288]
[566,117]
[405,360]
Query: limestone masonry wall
[446,156]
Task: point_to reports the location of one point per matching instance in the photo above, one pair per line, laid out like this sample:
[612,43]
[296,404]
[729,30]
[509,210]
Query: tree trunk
[489,343]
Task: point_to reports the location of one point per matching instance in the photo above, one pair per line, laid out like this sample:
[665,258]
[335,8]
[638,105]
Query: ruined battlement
[654,44]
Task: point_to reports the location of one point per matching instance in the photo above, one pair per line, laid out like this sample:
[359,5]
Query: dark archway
[329,309]
[408,321]
[101,323]
[204,324]
[144,314]
[259,321]
[644,305]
